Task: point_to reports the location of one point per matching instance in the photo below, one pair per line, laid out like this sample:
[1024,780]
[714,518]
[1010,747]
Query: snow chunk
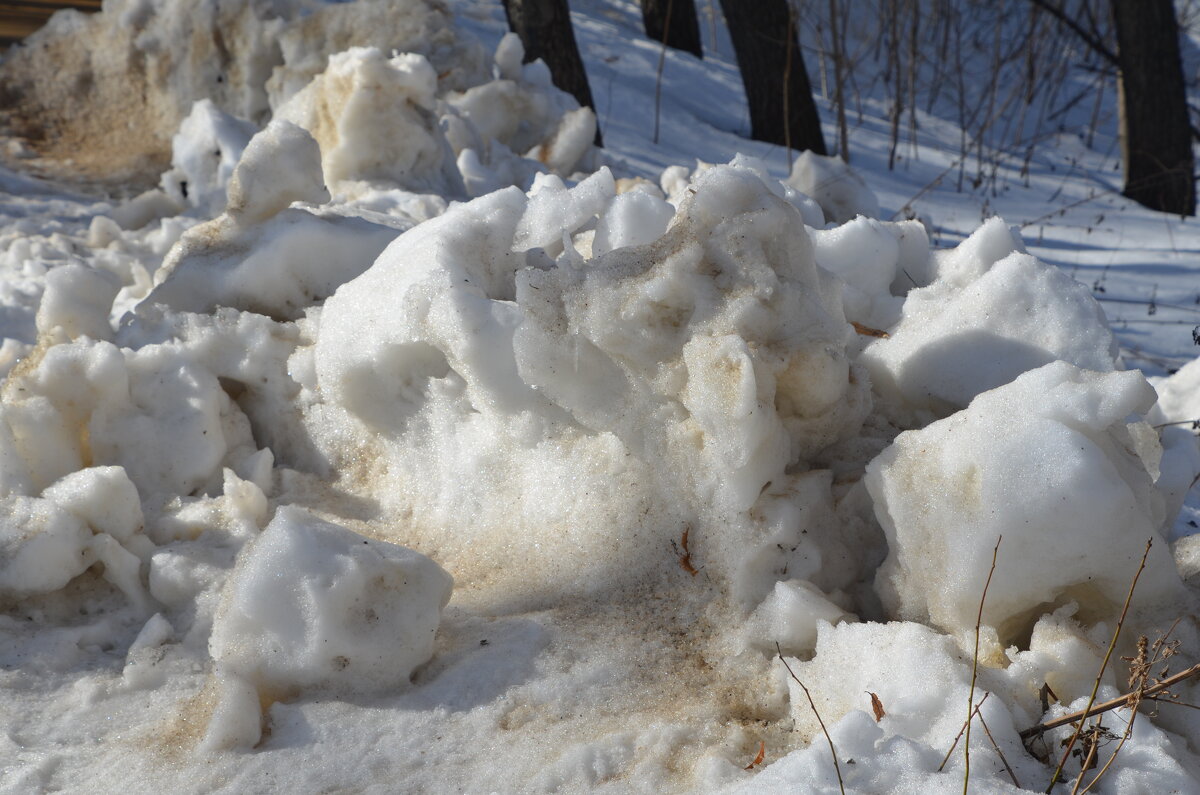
[278,267]
[373,117]
[42,547]
[1179,395]
[352,614]
[991,314]
[203,154]
[77,302]
[1053,448]
[790,616]
[281,165]
[155,412]
[837,188]
[633,219]
[103,497]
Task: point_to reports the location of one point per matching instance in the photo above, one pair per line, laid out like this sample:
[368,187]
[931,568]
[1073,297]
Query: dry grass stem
[658,78]
[1120,701]
[1100,674]
[975,671]
[1141,667]
[1007,766]
[832,751]
[958,736]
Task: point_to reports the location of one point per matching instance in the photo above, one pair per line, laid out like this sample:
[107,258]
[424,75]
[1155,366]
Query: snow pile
[484,355]
[308,456]
[109,90]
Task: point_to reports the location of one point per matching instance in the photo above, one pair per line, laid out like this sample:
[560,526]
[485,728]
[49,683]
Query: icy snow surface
[385,435]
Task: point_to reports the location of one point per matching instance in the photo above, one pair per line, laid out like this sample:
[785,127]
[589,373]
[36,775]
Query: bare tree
[545,30]
[1156,135]
[674,23]
[782,110]
[1156,131]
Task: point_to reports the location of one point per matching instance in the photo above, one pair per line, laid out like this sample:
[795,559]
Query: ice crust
[408,420]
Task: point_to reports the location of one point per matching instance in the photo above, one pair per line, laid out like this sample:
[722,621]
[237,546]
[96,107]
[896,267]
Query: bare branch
[1090,40]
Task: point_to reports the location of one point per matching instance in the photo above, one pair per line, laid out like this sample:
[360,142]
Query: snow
[402,439]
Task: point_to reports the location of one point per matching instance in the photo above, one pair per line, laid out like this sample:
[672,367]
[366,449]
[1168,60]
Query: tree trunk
[1156,134]
[674,23]
[545,30]
[782,110]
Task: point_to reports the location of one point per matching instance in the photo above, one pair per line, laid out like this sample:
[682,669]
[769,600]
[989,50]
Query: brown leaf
[762,752]
[867,331]
[686,559]
[876,706]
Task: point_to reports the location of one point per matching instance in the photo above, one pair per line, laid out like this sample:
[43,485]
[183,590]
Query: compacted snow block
[1054,463]
[991,313]
[203,155]
[313,605]
[263,255]
[374,119]
[835,186]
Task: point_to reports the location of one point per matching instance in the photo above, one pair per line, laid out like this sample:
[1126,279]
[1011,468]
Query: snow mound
[467,349]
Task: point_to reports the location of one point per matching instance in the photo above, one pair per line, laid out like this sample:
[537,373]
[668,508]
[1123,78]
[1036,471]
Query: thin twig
[1160,426]
[832,751]
[958,736]
[1112,758]
[1158,700]
[1103,665]
[1090,40]
[1007,766]
[787,74]
[1112,704]
[1089,760]
[975,670]
[662,61]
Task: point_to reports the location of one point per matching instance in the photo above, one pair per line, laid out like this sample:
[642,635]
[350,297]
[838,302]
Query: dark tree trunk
[674,23]
[545,30]
[782,110]
[1156,133]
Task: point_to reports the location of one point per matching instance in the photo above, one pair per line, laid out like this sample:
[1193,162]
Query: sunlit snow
[366,428]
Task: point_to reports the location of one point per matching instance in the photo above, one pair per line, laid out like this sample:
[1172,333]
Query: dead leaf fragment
[685,560]
[876,706]
[762,752]
[867,331]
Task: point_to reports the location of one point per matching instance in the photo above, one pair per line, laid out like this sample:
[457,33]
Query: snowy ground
[333,463]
